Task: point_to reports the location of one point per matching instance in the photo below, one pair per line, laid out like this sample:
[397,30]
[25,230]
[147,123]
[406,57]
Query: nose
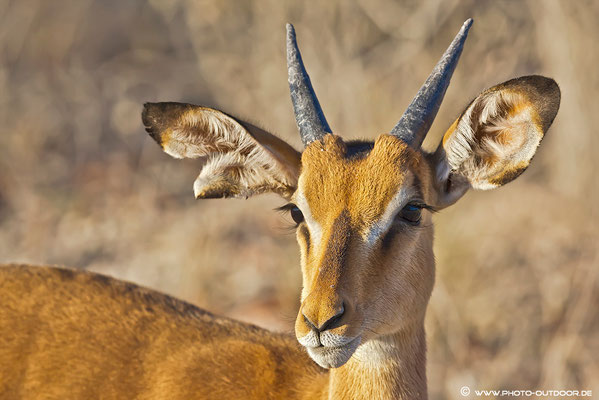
[331,317]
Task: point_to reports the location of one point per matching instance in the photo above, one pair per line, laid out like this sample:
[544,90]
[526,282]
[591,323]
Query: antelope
[363,211]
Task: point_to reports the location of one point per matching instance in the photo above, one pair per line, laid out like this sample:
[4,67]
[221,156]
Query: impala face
[363,209]
[361,222]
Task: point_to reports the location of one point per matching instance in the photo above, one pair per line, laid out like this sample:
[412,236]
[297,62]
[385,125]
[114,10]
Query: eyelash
[299,218]
[288,209]
[422,205]
[411,213]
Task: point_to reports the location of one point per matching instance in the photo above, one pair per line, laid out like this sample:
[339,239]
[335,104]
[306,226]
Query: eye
[411,213]
[296,214]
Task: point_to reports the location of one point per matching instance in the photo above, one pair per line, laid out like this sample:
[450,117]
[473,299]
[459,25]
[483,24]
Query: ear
[495,138]
[241,159]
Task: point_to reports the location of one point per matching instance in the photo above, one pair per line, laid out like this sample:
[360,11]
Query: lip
[334,356]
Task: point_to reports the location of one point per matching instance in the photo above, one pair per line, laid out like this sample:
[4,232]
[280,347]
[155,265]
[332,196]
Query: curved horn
[309,116]
[418,118]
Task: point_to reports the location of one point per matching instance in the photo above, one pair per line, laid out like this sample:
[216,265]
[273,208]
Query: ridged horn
[418,118]
[309,116]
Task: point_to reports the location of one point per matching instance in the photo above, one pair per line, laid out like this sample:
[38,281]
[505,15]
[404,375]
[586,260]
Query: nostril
[333,322]
[309,323]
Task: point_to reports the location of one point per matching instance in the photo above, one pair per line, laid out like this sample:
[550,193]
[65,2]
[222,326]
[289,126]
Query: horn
[418,118]
[309,116]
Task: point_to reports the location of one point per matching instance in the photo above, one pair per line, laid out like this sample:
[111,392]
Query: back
[73,334]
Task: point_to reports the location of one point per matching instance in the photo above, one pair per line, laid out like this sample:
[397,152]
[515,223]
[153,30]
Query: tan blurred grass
[515,303]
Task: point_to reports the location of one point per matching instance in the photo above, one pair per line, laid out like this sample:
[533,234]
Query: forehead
[332,180]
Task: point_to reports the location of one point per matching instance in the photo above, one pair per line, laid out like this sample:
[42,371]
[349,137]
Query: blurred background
[516,300]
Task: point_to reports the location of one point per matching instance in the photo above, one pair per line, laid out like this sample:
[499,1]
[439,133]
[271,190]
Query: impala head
[363,209]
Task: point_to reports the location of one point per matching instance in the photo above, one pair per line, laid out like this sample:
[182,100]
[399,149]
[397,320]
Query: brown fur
[367,271]
[347,195]
[78,335]
[356,190]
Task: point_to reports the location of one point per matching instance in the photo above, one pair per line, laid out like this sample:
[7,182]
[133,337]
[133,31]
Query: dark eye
[296,214]
[411,213]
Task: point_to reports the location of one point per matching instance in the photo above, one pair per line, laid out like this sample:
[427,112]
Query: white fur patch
[331,339]
[313,226]
[334,356]
[310,340]
[381,226]
[235,160]
[377,351]
[326,338]
[466,151]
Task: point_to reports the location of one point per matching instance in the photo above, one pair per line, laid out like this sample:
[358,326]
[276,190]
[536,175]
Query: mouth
[333,356]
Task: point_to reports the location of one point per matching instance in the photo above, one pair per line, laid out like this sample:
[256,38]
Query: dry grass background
[516,302]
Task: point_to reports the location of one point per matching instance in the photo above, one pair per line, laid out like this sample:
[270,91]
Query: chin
[333,357]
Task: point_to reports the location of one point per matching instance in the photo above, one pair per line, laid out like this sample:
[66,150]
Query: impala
[363,215]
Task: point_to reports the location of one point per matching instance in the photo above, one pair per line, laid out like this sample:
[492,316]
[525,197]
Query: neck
[390,367]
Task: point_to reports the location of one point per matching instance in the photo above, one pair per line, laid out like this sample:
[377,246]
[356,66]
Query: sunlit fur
[76,335]
[69,334]
[348,196]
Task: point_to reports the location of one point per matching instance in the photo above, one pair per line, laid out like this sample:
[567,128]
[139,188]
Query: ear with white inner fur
[241,159]
[495,138]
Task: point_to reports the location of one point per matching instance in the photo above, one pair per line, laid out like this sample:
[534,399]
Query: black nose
[330,323]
